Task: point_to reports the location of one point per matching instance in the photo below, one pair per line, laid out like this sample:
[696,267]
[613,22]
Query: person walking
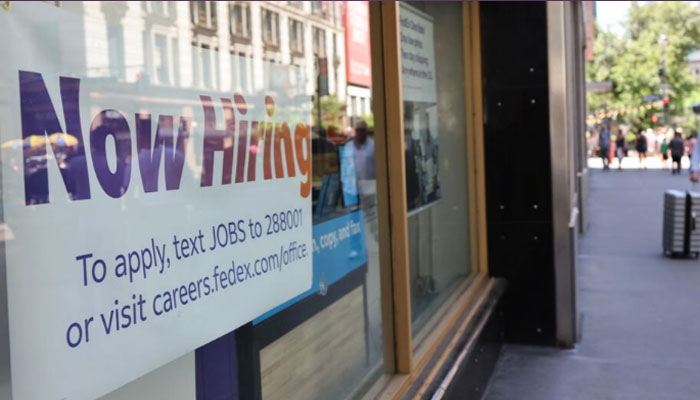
[641,147]
[677,148]
[695,163]
[620,149]
[664,153]
[604,146]
[690,144]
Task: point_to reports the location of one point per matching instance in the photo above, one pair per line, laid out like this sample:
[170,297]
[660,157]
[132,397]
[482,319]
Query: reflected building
[358,58]
[185,44]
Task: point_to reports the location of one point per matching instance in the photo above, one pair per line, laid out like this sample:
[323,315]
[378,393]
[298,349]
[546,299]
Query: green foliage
[632,61]
[332,112]
[607,48]
[691,124]
[369,120]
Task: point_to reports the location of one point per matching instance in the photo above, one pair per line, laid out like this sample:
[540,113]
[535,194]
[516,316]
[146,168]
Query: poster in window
[420,109]
[143,216]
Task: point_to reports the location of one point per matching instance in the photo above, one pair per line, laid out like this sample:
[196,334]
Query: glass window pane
[185,101]
[436,158]
[326,357]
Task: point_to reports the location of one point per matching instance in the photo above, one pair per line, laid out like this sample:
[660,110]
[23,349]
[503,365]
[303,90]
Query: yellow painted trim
[478,118]
[382,174]
[393,106]
[396,301]
[455,338]
[472,297]
[455,306]
[470,133]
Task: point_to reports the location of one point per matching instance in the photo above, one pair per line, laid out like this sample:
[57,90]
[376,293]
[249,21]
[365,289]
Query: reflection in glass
[436,164]
[115,43]
[156,68]
[296,37]
[161,59]
[240,20]
[270,20]
[205,56]
[319,36]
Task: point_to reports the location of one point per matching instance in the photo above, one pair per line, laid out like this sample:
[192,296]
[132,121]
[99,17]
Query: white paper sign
[146,214]
[417,56]
[418,74]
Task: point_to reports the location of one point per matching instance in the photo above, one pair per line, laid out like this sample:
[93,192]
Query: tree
[632,61]
[607,48]
[332,112]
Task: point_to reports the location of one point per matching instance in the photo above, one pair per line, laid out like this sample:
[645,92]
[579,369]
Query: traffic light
[666,101]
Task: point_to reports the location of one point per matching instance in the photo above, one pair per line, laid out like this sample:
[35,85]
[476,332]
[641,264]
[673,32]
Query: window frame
[319,9]
[296,26]
[211,19]
[198,45]
[246,25]
[404,362]
[273,43]
[318,47]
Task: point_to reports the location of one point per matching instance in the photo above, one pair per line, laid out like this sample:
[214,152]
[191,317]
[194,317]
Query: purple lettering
[111,123]
[39,120]
[242,108]
[149,157]
[217,140]
[242,146]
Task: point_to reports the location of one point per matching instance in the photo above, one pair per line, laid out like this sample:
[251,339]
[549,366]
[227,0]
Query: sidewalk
[632,162]
[640,311]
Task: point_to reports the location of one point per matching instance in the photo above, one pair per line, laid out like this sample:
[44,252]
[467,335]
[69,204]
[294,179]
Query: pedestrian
[604,146]
[691,142]
[664,153]
[694,163]
[620,149]
[676,146]
[657,140]
[641,147]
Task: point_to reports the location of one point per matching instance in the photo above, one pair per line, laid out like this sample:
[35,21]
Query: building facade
[189,210]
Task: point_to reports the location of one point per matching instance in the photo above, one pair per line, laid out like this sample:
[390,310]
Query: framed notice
[420,109]
[150,212]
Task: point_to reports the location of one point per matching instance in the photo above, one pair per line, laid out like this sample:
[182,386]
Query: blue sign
[339,248]
[348,174]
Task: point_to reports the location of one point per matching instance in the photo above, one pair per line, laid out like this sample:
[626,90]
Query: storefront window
[337,351]
[99,97]
[436,162]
